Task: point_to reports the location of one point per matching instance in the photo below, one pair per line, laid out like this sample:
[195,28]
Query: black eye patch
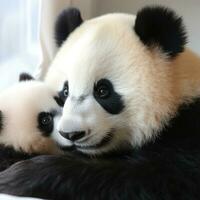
[1,121]
[45,123]
[62,95]
[107,97]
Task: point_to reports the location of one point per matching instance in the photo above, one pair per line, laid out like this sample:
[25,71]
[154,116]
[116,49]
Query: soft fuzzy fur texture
[166,168]
[22,133]
[159,90]
[146,68]
[9,156]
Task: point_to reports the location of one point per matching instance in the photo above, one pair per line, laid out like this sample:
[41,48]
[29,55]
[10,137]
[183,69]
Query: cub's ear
[25,77]
[159,26]
[66,22]
[1,121]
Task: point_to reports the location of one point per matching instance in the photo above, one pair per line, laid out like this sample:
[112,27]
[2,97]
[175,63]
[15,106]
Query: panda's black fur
[9,156]
[71,18]
[1,121]
[165,168]
[155,25]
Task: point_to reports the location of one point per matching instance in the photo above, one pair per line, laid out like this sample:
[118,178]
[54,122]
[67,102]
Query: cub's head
[28,115]
[114,75]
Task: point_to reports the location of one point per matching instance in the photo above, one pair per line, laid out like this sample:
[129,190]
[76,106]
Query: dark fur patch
[1,121]
[114,103]
[45,123]
[166,168]
[61,95]
[186,124]
[9,156]
[25,77]
[162,27]
[67,21]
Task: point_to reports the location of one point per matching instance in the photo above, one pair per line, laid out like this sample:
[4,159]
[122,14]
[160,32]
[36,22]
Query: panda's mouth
[106,140]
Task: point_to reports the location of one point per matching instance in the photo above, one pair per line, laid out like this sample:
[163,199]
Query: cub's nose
[73,136]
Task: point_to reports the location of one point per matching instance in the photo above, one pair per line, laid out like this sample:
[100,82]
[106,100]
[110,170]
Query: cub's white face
[28,115]
[116,91]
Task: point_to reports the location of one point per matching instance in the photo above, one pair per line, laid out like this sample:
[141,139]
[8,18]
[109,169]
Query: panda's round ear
[160,26]
[1,121]
[66,22]
[25,77]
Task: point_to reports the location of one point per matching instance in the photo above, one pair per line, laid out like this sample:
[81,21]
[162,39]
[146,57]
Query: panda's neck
[186,69]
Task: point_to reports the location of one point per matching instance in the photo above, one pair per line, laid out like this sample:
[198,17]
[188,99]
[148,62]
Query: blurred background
[27,39]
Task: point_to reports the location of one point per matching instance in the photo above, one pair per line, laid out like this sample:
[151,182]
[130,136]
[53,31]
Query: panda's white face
[116,91]
[29,114]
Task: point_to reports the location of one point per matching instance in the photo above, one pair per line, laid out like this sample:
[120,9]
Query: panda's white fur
[20,106]
[152,86]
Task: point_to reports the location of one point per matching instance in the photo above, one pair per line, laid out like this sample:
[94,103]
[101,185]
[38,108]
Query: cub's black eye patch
[107,97]
[63,94]
[45,123]
[1,121]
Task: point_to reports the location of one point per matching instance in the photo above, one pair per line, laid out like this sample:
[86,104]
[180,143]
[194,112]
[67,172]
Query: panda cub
[131,100]
[28,114]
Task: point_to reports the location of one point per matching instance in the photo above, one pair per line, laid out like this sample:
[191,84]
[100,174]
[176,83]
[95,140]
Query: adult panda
[126,81]
[28,115]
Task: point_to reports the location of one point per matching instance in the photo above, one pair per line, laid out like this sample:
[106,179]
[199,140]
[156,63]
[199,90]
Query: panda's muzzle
[73,136]
[106,140]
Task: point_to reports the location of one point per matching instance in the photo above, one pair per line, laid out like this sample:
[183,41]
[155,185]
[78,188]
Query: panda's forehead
[98,51]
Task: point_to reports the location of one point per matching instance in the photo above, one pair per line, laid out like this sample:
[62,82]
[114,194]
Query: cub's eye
[45,123]
[46,119]
[102,91]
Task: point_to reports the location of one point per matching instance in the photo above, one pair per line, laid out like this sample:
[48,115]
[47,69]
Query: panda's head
[29,111]
[114,74]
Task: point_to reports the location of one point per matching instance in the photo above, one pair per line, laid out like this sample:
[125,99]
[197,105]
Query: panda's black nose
[73,136]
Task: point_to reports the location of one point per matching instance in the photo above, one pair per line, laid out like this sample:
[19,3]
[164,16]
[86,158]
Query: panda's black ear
[160,26]
[25,77]
[66,22]
[1,121]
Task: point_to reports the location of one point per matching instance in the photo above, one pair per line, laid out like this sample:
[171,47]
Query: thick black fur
[159,26]
[1,121]
[9,156]
[25,77]
[45,128]
[67,21]
[167,168]
[113,104]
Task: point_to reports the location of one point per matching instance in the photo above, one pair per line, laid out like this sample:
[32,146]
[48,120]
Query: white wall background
[189,9]
[19,33]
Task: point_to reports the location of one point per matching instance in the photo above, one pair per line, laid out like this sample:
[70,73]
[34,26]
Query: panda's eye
[45,123]
[62,95]
[65,92]
[46,120]
[102,91]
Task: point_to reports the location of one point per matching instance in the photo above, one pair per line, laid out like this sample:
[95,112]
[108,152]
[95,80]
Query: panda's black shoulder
[9,156]
[181,132]
[1,121]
